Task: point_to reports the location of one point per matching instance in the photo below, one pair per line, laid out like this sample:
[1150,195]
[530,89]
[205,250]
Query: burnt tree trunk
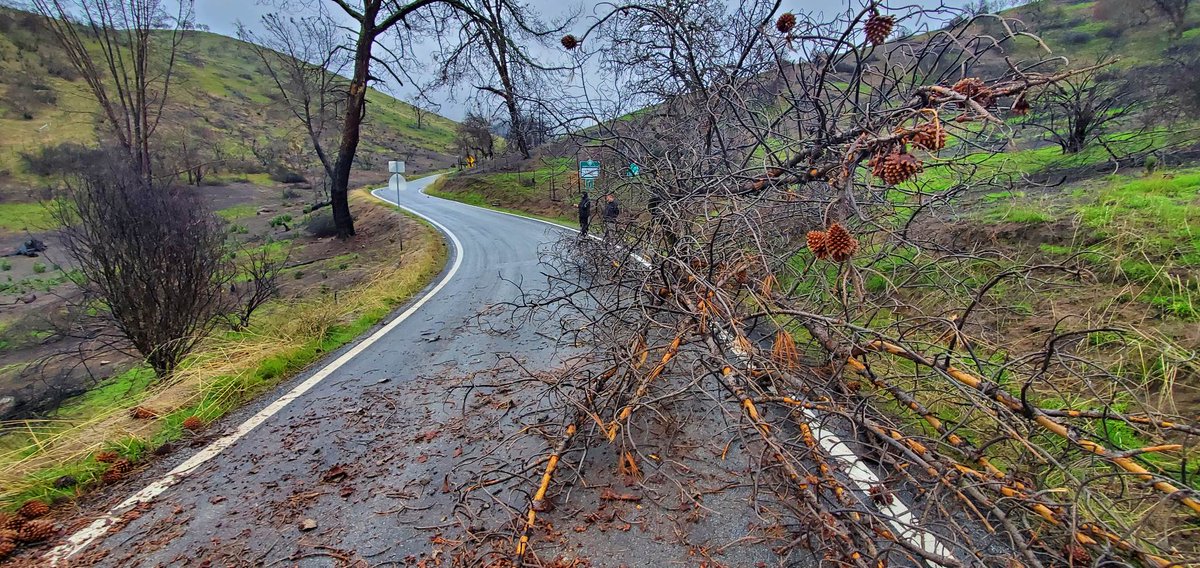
[356,108]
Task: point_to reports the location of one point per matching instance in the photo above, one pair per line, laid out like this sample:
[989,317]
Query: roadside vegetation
[132,416]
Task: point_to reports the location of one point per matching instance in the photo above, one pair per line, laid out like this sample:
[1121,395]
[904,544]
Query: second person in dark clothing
[610,213]
[585,213]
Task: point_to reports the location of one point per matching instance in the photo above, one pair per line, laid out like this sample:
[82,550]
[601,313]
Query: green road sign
[634,169]
[589,169]
[589,183]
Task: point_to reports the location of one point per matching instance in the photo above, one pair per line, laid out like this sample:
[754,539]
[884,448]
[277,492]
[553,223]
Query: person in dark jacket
[585,213]
[610,213]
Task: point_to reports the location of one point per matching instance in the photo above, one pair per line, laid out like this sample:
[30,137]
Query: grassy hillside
[221,91]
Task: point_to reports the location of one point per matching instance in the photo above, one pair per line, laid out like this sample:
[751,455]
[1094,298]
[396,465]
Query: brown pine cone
[786,22]
[33,509]
[193,423]
[116,471]
[107,457]
[898,167]
[7,546]
[569,42]
[841,244]
[930,136]
[36,531]
[1021,106]
[879,27]
[10,522]
[969,87]
[818,243]
[142,413]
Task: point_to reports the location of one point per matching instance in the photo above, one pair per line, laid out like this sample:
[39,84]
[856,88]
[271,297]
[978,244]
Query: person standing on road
[585,214]
[611,211]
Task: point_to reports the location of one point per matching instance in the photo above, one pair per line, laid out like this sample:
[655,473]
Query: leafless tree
[261,271]
[152,258]
[422,107]
[1081,110]
[390,27]
[125,51]
[473,137]
[302,57]
[1176,12]
[503,38]
[790,275]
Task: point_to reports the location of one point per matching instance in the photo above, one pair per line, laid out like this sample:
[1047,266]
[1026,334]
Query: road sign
[589,183]
[589,169]
[470,161]
[396,167]
[634,169]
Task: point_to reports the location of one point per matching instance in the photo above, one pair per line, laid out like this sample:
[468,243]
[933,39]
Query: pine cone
[840,244]
[969,87]
[11,522]
[818,243]
[193,423]
[786,22]
[116,471]
[7,546]
[898,167]
[569,42]
[879,27]
[107,457]
[142,413]
[930,136]
[33,509]
[1021,106]
[36,531]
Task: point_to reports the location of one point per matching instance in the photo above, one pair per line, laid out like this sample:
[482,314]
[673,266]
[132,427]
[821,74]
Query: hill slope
[222,94]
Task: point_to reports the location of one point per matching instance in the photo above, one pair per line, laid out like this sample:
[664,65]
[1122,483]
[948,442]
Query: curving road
[254,482]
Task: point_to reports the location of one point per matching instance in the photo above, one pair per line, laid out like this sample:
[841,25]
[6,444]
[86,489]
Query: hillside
[221,96]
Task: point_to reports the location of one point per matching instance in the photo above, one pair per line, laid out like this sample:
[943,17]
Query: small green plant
[39,268]
[1150,163]
[284,220]
[343,266]
[289,194]
[324,274]
[5,264]
[298,274]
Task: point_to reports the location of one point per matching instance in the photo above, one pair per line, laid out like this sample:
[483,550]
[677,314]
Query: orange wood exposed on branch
[540,496]
[668,354]
[1123,462]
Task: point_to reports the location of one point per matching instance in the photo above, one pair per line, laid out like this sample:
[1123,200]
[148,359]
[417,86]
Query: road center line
[85,536]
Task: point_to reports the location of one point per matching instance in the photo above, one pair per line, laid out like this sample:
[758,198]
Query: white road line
[82,538]
[900,517]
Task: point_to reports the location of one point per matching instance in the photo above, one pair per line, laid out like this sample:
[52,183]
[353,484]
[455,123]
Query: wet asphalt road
[247,504]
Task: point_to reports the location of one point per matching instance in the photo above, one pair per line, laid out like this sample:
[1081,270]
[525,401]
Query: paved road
[256,488]
[386,461]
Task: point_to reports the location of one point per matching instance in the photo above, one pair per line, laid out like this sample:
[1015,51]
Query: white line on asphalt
[82,538]
[862,477]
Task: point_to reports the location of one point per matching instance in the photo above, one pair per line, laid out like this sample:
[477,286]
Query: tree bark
[356,107]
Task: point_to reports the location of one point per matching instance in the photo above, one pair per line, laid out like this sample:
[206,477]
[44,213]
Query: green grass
[238,212]
[20,217]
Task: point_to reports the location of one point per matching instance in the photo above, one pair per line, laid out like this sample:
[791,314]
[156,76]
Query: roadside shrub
[1111,32]
[1077,38]
[39,268]
[5,264]
[286,176]
[289,193]
[1150,163]
[124,234]
[67,158]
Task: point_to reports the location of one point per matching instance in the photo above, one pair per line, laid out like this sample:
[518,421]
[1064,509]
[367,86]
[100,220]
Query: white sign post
[397,181]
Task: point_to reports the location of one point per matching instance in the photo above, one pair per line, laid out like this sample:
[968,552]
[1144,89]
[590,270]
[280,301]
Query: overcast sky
[222,16]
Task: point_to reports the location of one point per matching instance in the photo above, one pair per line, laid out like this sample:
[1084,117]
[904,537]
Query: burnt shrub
[125,234]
